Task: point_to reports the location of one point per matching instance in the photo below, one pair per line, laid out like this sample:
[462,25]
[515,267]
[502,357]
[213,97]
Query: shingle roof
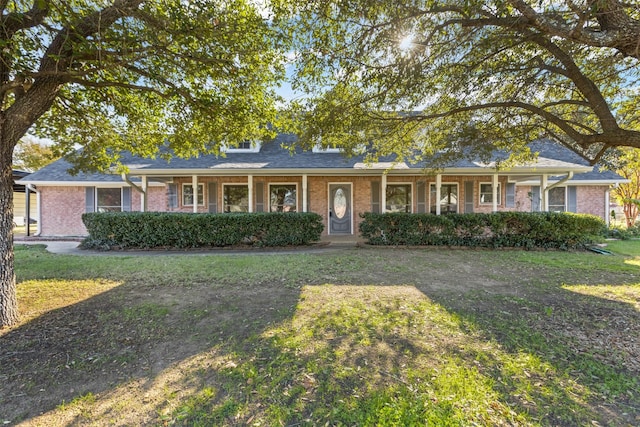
[274,155]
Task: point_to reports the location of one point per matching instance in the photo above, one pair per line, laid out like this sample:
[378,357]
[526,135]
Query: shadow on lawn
[587,341]
[130,335]
[348,353]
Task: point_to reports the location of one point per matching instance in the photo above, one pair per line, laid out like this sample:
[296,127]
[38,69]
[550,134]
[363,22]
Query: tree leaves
[132,74]
[479,74]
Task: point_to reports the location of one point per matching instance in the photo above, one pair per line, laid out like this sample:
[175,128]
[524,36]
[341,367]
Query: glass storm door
[340,209]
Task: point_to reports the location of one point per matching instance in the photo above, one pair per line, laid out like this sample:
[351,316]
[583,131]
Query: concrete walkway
[70,247]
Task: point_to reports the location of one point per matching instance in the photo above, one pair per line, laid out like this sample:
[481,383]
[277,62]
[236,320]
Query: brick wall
[62,207]
[61,210]
[591,200]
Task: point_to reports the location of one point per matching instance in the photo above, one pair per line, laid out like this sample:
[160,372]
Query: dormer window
[242,147]
[319,149]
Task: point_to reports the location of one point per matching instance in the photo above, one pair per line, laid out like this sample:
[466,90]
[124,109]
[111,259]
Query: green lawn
[356,336]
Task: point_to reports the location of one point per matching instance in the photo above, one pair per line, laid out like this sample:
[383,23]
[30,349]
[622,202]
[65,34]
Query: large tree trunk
[8,298]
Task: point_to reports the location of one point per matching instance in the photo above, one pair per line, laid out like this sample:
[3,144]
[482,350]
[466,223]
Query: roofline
[601,182]
[84,183]
[356,171]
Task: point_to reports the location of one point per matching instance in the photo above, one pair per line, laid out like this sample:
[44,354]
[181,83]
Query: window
[398,198]
[187,194]
[282,197]
[236,198]
[242,147]
[108,200]
[557,199]
[486,193]
[448,198]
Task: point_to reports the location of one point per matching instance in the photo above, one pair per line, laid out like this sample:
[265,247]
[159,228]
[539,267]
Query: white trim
[439,196]
[329,184]
[195,195]
[383,195]
[294,184]
[244,168]
[305,186]
[438,185]
[235,184]
[410,184]
[544,193]
[607,206]
[144,195]
[250,193]
[480,202]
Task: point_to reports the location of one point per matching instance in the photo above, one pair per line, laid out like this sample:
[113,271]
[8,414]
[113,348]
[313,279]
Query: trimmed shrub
[502,229]
[190,230]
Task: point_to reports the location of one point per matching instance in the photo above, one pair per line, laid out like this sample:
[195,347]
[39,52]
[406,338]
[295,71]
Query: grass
[370,336]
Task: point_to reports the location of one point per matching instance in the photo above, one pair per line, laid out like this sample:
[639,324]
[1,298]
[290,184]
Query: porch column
[305,202]
[27,209]
[383,196]
[544,194]
[607,207]
[143,195]
[438,193]
[250,185]
[494,188]
[194,185]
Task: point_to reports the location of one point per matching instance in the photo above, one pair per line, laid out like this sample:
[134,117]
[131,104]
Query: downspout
[126,179]
[39,220]
[562,181]
[554,185]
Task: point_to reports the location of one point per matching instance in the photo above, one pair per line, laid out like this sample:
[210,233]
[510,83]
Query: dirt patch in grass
[352,337]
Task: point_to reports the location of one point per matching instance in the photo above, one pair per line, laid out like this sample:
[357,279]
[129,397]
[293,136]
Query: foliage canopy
[471,76]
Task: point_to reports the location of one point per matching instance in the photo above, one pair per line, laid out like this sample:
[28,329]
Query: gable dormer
[246,146]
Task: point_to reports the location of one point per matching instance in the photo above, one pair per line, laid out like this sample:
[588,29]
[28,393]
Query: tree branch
[15,21]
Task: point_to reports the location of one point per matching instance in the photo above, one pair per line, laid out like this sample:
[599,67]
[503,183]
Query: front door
[340,209]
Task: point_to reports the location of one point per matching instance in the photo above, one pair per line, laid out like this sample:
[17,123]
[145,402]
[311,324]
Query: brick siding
[62,207]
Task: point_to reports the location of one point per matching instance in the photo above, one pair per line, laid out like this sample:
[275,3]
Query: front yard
[356,336]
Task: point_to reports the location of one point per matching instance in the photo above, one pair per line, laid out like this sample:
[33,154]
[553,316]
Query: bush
[501,229]
[189,230]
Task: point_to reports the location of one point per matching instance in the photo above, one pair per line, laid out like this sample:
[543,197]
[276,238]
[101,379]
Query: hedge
[494,230]
[198,230]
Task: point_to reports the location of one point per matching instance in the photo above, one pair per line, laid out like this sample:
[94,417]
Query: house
[260,177]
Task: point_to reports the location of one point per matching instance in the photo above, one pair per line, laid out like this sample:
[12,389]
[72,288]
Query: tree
[470,76]
[112,75]
[30,155]
[628,194]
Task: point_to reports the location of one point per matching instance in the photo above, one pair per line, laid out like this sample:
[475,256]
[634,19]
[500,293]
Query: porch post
[27,209]
[544,193]
[383,196]
[143,195]
[607,207]
[494,188]
[194,185]
[305,202]
[438,193]
[250,185]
